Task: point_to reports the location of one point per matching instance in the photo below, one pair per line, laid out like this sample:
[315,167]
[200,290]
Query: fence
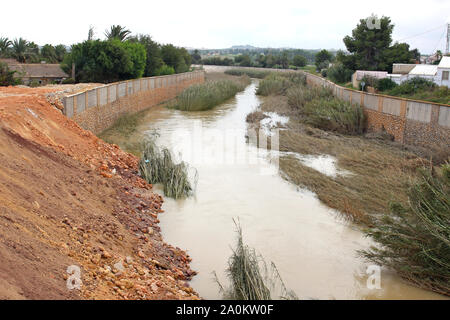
[98,108]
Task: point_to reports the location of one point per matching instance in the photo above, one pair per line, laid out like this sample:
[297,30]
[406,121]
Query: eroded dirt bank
[68,198]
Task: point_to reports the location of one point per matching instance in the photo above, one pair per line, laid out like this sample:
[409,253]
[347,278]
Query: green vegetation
[217,61]
[250,277]
[415,88]
[414,239]
[319,108]
[421,89]
[106,61]
[278,83]
[338,73]
[117,32]
[121,56]
[124,126]
[323,59]
[299,61]
[29,52]
[207,95]
[7,76]
[385,84]
[332,114]
[259,74]
[371,48]
[157,167]
[164,70]
[257,57]
[319,124]
[177,58]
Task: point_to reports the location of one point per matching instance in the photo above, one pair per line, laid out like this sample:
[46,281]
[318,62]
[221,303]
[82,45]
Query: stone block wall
[411,122]
[99,108]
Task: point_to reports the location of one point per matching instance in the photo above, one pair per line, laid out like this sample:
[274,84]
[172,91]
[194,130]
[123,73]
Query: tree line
[29,52]
[367,48]
[120,56]
[279,59]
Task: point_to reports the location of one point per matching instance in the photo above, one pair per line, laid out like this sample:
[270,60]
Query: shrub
[34,84]
[298,96]
[339,73]
[7,76]
[207,95]
[68,81]
[368,82]
[251,73]
[164,70]
[299,61]
[414,240]
[335,115]
[413,86]
[251,278]
[157,166]
[278,83]
[385,84]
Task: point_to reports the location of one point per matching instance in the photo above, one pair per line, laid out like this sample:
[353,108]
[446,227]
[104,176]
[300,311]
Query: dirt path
[68,198]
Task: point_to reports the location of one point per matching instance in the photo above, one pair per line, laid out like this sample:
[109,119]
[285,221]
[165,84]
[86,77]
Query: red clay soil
[68,198]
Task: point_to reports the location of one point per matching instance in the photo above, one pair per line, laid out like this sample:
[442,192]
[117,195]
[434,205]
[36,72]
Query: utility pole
[447,48]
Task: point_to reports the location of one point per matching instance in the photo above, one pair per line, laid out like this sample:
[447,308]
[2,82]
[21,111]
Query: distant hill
[246,47]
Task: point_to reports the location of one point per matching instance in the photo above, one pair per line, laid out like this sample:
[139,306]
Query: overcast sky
[221,24]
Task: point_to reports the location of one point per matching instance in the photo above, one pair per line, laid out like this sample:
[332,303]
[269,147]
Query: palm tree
[5,43]
[91,33]
[19,49]
[117,32]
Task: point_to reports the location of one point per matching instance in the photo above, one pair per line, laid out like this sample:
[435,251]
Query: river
[312,247]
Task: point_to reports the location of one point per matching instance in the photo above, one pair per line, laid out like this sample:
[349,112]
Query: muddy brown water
[312,247]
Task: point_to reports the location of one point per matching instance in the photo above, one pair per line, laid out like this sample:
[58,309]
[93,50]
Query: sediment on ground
[67,198]
[378,170]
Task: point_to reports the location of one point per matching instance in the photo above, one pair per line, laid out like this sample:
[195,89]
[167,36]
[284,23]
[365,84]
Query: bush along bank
[157,166]
[318,106]
[414,240]
[206,96]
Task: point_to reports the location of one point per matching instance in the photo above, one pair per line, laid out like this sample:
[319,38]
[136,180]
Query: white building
[426,71]
[439,74]
[443,72]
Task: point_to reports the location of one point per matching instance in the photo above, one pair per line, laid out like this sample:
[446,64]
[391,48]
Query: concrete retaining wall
[97,109]
[409,121]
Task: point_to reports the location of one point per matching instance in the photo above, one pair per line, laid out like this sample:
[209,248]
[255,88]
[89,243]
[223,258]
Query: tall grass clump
[157,166]
[259,74]
[279,83]
[335,115]
[207,95]
[414,240]
[298,96]
[250,277]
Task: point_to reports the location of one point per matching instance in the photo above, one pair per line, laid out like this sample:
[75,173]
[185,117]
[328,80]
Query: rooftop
[445,62]
[424,70]
[39,70]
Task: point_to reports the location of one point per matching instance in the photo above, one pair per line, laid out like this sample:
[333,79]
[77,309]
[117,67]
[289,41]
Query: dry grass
[381,170]
[250,276]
